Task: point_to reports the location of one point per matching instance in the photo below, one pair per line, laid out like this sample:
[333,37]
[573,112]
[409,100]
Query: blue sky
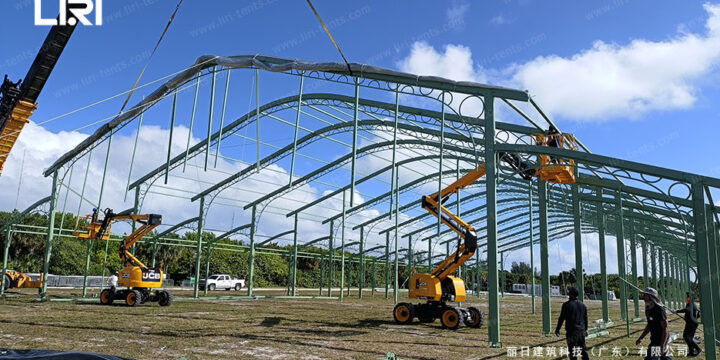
[667,118]
[498,35]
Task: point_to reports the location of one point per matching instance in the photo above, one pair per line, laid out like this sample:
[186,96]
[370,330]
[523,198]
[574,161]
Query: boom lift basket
[554,169]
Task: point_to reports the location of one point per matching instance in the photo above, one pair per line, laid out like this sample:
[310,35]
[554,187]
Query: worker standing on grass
[691,324]
[113,281]
[574,314]
[657,326]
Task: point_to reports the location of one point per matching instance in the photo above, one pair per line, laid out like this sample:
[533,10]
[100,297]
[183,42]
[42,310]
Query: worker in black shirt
[554,140]
[691,324]
[657,326]
[574,314]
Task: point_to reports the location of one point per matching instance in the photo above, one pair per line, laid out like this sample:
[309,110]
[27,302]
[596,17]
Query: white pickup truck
[222,281]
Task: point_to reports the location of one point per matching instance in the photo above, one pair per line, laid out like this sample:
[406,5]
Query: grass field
[280,329]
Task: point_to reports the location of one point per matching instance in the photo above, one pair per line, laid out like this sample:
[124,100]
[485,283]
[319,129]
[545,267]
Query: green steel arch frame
[636,203]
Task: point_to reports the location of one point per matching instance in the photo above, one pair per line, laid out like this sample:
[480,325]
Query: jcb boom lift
[18,99]
[439,287]
[138,280]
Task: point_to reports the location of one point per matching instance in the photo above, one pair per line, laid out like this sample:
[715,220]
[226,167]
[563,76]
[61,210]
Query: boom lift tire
[476,318]
[165,298]
[107,296]
[451,318]
[8,282]
[403,313]
[133,298]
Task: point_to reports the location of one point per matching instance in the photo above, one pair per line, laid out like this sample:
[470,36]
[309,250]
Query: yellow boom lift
[138,280]
[439,286]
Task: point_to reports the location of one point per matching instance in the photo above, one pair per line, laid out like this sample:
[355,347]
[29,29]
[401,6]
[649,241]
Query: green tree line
[271,268]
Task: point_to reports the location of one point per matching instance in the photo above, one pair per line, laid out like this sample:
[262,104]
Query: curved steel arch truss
[414,134]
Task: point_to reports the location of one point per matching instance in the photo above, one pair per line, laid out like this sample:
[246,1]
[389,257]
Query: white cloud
[454,63]
[455,14]
[500,20]
[606,80]
[225,212]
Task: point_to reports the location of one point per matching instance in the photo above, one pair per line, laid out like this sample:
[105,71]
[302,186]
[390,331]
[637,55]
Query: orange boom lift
[439,286]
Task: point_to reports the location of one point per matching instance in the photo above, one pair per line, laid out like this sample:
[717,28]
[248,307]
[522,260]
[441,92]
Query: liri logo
[71,11]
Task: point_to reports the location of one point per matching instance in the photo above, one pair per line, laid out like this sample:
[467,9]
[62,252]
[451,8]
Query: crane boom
[18,101]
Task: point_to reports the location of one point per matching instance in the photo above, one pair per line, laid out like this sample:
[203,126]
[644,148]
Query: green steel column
[297,127]
[293,284]
[222,116]
[429,254]
[349,272]
[251,271]
[532,250]
[491,206]
[210,117]
[198,255]
[394,148]
[603,259]
[342,248]
[668,278]
[633,269]
[322,275]
[577,230]
[678,284]
[661,280]
[397,272]
[257,119]
[173,113]
[372,281]
[397,236]
[331,266]
[544,256]
[361,278]
[478,274]
[706,279]
[387,265]
[8,239]
[411,265]
[88,253]
[50,234]
[653,265]
[646,283]
[440,163]
[620,239]
[353,166]
[457,209]
[671,284]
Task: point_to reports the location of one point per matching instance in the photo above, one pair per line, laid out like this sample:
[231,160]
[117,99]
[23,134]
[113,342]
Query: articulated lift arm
[149,223]
[467,243]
